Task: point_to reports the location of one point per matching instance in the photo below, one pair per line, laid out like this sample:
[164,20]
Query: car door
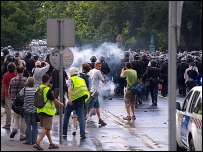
[185,119]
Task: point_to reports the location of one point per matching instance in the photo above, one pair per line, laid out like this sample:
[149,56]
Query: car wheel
[192,146]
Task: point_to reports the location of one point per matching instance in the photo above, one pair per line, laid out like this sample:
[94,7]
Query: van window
[199,106]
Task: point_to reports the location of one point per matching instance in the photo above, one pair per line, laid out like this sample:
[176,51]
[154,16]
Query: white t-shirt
[38,73]
[96,78]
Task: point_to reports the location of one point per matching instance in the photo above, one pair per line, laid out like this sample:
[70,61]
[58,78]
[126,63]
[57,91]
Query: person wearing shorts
[129,98]
[46,113]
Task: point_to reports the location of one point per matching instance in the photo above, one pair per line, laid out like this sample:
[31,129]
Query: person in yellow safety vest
[46,113]
[78,95]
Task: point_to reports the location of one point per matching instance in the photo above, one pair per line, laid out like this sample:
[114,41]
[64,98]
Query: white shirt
[38,73]
[96,78]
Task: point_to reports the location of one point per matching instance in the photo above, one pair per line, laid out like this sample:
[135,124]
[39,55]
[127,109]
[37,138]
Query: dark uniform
[137,65]
[164,77]
[152,74]
[30,63]
[181,67]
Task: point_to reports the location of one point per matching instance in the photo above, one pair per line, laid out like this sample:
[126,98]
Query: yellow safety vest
[49,107]
[79,88]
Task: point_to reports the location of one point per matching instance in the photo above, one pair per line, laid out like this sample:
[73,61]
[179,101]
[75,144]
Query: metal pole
[172,49]
[61,75]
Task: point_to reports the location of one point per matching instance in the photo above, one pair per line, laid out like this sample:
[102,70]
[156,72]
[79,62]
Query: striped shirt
[13,86]
[28,93]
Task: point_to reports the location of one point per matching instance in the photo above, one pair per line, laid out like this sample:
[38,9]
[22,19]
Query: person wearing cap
[78,95]
[31,122]
[39,71]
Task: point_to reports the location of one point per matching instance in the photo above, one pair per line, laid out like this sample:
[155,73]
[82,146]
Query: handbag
[17,105]
[137,88]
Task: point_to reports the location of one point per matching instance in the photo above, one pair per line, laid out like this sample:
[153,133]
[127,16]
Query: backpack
[38,98]
[85,77]
[192,74]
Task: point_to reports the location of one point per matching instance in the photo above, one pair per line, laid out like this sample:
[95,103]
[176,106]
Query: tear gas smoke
[112,55]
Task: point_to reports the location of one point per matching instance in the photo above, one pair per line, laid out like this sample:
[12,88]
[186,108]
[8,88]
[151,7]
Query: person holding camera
[39,71]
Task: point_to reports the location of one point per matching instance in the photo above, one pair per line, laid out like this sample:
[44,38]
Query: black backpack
[85,77]
[192,74]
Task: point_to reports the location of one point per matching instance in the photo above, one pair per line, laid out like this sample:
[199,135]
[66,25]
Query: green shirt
[131,77]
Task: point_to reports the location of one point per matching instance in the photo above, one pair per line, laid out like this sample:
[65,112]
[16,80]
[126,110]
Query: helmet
[102,59]
[153,63]
[93,59]
[9,47]
[136,57]
[73,71]
[144,57]
[183,60]
[28,55]
[126,54]
[5,51]
[9,58]
[17,54]
[35,56]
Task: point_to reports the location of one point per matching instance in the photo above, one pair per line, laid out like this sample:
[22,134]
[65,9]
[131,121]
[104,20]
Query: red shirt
[6,80]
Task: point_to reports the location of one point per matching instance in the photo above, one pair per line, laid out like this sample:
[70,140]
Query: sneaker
[13,134]
[83,136]
[101,122]
[64,134]
[6,127]
[90,120]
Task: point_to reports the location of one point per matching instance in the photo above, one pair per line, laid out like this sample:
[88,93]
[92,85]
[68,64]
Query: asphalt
[8,144]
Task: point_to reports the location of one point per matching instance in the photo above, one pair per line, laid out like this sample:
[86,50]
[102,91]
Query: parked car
[189,121]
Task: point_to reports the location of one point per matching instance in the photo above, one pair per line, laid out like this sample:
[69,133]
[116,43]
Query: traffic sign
[53,33]
[67,58]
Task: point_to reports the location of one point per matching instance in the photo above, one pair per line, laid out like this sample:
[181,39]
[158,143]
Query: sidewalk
[8,144]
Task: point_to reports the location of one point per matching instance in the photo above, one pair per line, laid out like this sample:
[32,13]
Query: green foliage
[101,21]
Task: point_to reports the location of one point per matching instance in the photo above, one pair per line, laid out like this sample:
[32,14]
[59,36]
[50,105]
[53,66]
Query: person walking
[16,84]
[31,122]
[152,74]
[78,95]
[129,98]
[4,92]
[96,76]
[46,113]
[85,69]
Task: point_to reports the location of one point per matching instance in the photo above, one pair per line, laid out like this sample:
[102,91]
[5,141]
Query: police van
[189,121]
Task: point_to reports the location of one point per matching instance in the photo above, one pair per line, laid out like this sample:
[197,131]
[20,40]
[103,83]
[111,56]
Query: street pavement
[8,144]
[149,132]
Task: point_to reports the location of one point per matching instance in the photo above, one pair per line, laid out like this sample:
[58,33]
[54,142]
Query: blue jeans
[31,128]
[153,89]
[78,106]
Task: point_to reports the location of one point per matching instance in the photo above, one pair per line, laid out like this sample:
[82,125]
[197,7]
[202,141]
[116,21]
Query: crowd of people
[22,76]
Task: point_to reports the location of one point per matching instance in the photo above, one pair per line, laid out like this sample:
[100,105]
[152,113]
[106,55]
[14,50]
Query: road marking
[138,135]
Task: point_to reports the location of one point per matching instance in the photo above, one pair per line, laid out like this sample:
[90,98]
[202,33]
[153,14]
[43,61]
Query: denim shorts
[93,102]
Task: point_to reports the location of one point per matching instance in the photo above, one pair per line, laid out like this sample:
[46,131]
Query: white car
[189,121]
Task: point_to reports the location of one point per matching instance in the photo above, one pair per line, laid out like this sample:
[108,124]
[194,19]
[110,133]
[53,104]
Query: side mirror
[178,107]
